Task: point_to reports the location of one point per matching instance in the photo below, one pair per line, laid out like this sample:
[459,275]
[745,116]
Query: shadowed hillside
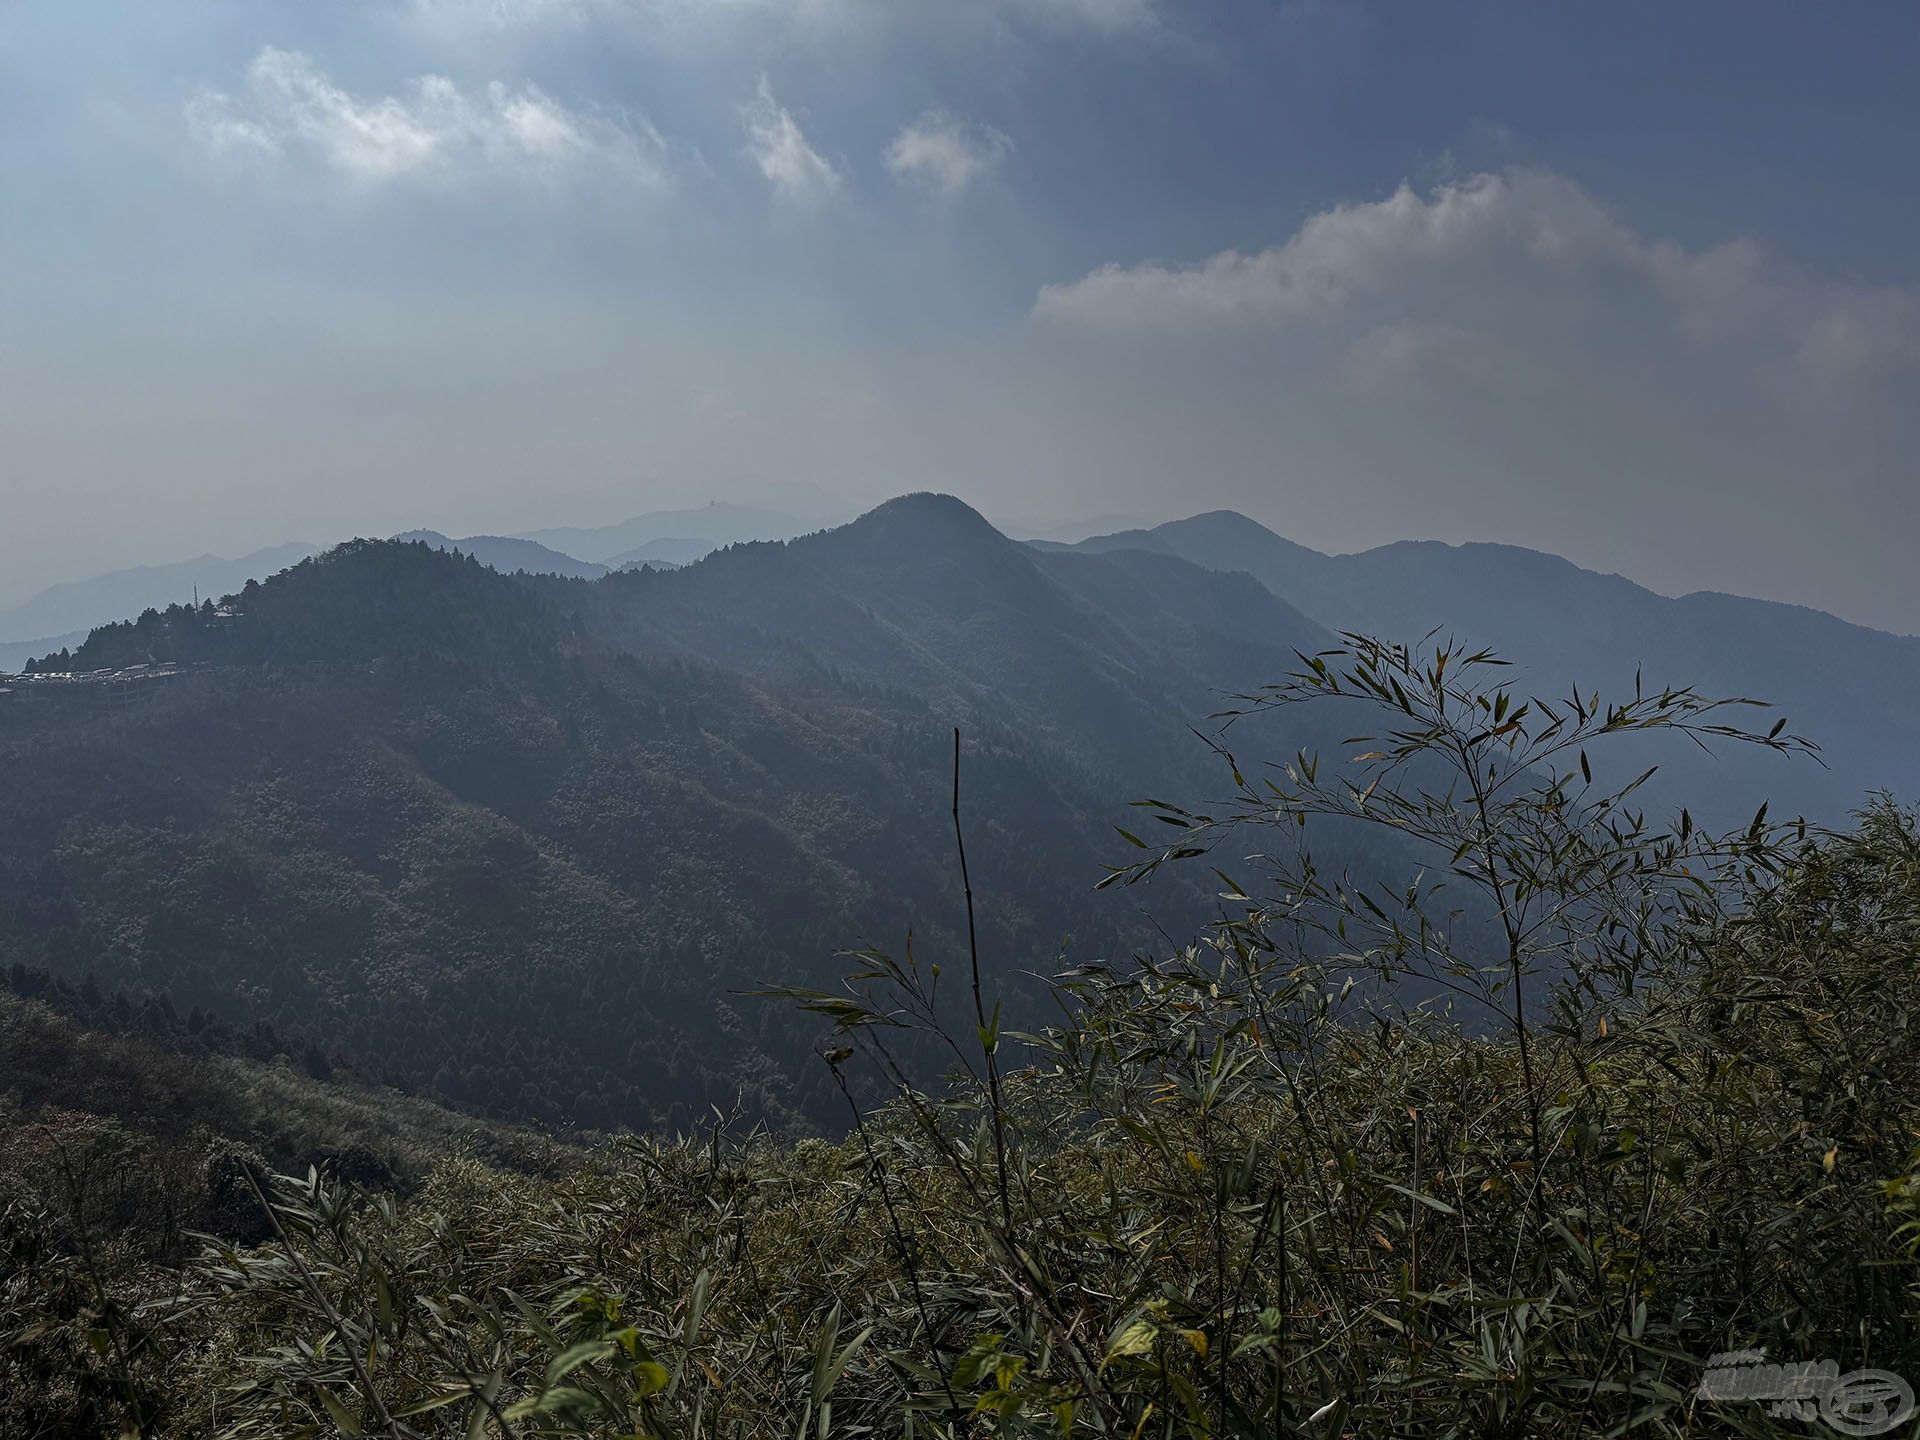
[518,842]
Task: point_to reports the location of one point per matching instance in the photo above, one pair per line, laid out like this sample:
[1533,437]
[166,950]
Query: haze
[1639,286]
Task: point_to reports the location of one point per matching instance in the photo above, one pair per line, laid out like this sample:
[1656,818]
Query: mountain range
[510,555]
[59,617]
[682,535]
[520,842]
[1852,690]
[523,841]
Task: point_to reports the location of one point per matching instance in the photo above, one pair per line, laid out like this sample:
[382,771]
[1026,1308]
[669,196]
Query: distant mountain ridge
[510,555]
[719,522]
[1853,690]
[78,605]
[14,654]
[668,550]
[59,616]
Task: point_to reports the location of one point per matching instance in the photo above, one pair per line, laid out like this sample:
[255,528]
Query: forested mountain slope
[518,842]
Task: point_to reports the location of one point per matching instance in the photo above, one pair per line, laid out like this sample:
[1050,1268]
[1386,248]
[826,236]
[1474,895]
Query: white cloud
[1502,268]
[290,110]
[1352,250]
[945,154]
[779,147]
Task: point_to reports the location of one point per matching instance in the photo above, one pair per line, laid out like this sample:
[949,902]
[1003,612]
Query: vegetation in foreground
[1236,1190]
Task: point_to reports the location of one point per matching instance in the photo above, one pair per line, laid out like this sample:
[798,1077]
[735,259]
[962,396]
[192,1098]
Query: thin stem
[987,1045]
[1515,956]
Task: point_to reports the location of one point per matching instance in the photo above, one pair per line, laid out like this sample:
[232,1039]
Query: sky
[1638,284]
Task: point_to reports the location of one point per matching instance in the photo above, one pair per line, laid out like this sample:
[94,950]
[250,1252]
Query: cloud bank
[1492,275]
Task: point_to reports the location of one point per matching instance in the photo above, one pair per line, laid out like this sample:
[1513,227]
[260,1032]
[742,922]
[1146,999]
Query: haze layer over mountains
[1847,687]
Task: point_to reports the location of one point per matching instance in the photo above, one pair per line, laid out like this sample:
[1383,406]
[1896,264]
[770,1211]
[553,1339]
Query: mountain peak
[1235,530]
[933,505]
[924,518]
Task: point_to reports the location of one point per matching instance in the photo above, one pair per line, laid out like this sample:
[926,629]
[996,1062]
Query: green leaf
[561,1397]
[482,1409]
[574,1356]
[339,1414]
[839,1363]
[438,1402]
[1134,1339]
[1427,1200]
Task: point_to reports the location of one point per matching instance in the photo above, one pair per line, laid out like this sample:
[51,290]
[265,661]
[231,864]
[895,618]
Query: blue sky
[1639,284]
